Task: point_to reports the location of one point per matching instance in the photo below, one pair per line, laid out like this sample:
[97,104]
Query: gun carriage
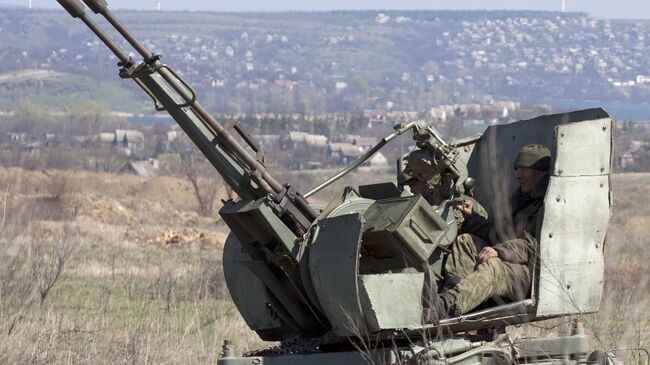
[322,281]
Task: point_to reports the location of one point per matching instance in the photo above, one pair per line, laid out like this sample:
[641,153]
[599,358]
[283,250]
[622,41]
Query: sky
[630,9]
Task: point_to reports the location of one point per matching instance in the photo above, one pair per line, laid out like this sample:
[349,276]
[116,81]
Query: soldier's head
[419,173]
[531,165]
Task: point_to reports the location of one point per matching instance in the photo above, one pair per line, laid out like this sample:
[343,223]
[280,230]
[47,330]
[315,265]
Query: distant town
[338,79]
[345,61]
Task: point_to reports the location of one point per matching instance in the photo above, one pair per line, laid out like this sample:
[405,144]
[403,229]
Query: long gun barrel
[269,220]
[246,174]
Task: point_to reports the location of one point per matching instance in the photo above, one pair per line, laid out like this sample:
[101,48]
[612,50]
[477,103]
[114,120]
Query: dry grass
[97,272]
[115,303]
[624,318]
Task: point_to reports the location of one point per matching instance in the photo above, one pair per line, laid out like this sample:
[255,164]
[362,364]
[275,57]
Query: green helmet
[534,156]
[420,166]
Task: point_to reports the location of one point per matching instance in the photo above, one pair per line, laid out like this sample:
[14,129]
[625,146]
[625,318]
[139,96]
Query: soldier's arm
[481,227]
[516,251]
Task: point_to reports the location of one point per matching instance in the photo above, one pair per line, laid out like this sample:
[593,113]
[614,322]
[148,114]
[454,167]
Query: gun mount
[321,282]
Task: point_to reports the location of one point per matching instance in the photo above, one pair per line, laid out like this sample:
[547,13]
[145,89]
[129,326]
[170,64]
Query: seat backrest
[576,207]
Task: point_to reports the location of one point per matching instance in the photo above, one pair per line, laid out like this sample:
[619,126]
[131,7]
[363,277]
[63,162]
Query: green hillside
[57,90]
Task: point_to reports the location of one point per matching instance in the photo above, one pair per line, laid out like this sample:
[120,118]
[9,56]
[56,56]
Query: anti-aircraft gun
[326,282]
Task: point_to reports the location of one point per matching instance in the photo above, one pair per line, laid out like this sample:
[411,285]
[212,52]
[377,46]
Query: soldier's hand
[466,207]
[487,253]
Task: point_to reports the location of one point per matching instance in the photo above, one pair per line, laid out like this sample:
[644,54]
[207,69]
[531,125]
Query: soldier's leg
[492,278]
[463,258]
[460,262]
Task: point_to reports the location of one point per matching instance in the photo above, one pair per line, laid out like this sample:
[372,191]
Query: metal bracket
[286,199]
[187,86]
[154,58]
[156,103]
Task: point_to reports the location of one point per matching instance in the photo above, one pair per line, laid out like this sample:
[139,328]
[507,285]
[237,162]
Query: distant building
[130,139]
[345,152]
[106,138]
[172,135]
[148,168]
[17,138]
[642,79]
[363,142]
[382,18]
[316,141]
[269,142]
[50,140]
[377,117]
[625,160]
[305,140]
[378,161]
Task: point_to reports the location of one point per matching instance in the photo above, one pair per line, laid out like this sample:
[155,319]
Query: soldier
[485,262]
[421,176]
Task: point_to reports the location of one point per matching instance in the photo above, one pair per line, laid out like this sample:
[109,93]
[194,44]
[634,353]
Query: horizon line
[279,11]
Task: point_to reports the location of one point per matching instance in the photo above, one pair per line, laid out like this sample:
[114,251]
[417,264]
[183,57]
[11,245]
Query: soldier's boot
[441,306]
[449,305]
[451,281]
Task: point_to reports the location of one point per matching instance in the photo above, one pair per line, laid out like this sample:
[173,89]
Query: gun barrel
[251,178]
[76,9]
[273,185]
[146,54]
[269,213]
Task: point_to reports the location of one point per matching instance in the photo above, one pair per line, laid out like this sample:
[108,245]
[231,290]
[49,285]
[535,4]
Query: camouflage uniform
[508,274]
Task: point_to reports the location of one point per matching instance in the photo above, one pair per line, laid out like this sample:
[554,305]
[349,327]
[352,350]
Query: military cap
[534,156]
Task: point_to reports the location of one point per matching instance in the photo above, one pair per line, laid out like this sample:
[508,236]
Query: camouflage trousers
[481,281]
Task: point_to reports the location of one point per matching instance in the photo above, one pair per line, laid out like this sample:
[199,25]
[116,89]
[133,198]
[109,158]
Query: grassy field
[118,269]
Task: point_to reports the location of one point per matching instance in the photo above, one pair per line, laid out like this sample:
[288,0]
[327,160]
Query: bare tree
[205,190]
[14,291]
[47,259]
[205,180]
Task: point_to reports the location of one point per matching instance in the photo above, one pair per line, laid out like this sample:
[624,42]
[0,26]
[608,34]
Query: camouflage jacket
[477,209]
[512,240]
